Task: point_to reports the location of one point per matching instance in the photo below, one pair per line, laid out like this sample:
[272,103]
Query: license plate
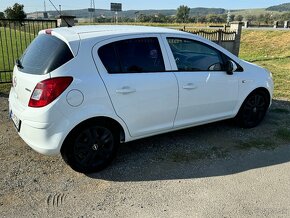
[16,121]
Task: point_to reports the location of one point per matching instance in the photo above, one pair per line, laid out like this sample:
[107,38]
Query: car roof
[117,29]
[73,35]
[92,31]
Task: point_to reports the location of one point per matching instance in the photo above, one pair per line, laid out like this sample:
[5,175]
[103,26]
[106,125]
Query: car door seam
[178,99]
[96,67]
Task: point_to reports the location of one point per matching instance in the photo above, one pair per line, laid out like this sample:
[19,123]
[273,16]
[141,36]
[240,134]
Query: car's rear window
[139,55]
[45,54]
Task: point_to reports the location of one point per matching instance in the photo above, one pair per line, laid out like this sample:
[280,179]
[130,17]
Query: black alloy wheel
[90,148]
[253,110]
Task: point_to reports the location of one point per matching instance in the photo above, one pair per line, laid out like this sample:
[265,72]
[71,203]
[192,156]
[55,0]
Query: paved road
[267,28]
[217,170]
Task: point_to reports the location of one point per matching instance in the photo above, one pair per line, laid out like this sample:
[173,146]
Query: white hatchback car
[80,91]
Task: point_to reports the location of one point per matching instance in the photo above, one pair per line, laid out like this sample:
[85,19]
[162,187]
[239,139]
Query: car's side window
[191,55]
[108,56]
[138,55]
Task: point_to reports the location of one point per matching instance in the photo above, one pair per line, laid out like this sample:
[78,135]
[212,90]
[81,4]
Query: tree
[182,14]
[215,18]
[239,18]
[2,15]
[158,18]
[15,12]
[251,17]
[144,18]
[201,19]
[268,18]
[286,16]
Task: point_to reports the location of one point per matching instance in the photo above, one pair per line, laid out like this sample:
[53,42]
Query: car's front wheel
[253,110]
[90,148]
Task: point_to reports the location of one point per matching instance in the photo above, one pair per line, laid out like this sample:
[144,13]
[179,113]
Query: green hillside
[199,11]
[83,13]
[281,8]
[255,12]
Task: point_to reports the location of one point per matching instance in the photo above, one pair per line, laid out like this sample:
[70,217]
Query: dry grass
[261,45]
[270,49]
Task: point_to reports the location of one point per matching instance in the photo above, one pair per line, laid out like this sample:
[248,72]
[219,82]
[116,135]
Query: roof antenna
[68,25]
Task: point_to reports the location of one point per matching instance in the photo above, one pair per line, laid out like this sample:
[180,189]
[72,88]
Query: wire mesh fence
[15,36]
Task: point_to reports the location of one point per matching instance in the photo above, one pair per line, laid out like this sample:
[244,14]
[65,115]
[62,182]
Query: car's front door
[206,92]
[143,94]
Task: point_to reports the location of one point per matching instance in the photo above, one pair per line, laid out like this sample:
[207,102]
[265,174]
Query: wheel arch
[262,89]
[116,126]
[259,89]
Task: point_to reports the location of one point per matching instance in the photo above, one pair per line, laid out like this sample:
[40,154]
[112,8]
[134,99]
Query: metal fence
[217,36]
[230,40]
[15,36]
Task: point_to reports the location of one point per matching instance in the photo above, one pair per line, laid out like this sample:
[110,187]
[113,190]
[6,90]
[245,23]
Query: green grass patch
[280,111]
[263,144]
[265,45]
[283,133]
[280,69]
[214,152]
[12,45]
[270,49]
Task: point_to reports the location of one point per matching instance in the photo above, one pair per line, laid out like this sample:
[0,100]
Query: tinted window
[45,54]
[132,55]
[195,56]
[109,58]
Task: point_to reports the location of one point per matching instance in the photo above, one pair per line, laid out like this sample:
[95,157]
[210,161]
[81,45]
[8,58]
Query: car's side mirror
[231,67]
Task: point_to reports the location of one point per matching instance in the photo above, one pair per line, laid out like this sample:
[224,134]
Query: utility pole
[45,14]
[136,15]
[229,17]
[92,10]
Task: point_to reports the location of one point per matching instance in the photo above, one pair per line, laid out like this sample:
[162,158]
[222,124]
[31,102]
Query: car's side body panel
[252,78]
[204,96]
[160,102]
[147,102]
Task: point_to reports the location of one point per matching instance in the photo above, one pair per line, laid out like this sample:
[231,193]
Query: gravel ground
[216,170]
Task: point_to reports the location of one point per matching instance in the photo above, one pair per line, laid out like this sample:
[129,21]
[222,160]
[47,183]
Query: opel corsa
[80,91]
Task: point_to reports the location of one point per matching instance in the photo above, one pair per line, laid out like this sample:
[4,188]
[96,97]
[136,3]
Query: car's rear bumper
[43,137]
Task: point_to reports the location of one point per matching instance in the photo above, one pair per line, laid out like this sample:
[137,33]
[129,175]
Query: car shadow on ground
[216,149]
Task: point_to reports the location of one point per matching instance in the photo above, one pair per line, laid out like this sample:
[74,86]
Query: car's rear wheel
[90,148]
[253,110]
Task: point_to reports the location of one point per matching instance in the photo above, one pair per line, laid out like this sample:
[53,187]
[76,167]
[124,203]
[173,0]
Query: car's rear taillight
[48,90]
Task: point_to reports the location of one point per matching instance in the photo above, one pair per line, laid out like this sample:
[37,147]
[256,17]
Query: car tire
[253,109]
[90,148]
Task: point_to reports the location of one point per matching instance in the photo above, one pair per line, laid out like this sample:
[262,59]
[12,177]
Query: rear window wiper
[19,64]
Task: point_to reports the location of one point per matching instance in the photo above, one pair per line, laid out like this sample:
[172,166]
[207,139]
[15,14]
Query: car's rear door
[143,94]
[206,92]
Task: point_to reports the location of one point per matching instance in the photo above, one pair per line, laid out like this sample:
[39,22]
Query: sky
[38,5]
